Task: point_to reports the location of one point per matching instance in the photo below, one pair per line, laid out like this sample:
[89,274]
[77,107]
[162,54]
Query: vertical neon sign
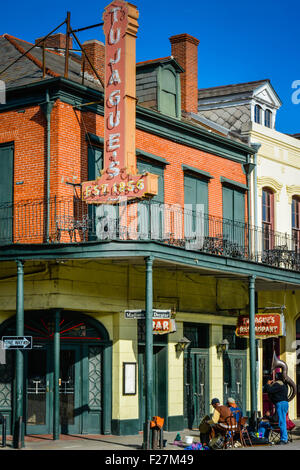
[119,178]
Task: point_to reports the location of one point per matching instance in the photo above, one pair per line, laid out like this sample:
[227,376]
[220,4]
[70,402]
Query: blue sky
[239,41]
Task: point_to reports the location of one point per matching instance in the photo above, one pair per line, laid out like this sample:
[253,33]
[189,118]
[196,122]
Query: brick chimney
[57,40]
[185,50]
[95,51]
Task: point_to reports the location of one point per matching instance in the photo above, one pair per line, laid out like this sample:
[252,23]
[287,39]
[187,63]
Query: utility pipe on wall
[47,108]
[256,146]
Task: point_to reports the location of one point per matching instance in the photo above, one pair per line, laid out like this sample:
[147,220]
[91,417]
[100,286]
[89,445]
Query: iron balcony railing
[188,227]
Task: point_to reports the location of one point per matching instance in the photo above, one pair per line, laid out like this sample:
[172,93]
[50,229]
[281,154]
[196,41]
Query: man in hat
[235,410]
[219,420]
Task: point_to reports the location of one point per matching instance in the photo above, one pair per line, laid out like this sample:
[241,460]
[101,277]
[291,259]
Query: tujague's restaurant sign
[119,178]
[266,326]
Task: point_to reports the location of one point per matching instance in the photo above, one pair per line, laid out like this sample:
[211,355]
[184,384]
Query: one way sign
[17,342]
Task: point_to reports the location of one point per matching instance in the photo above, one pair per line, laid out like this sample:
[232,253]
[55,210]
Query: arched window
[268,218]
[257,114]
[296,222]
[268,118]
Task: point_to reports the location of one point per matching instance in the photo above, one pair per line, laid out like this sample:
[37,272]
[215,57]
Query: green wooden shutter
[233,215]
[6,192]
[156,170]
[239,206]
[195,194]
[168,93]
[95,162]
[239,218]
[151,216]
[96,214]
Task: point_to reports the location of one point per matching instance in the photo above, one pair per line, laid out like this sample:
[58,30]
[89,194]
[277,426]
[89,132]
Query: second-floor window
[268,118]
[257,114]
[268,218]
[296,222]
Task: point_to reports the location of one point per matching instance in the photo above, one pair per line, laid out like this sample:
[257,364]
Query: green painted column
[19,421]
[56,404]
[148,349]
[107,388]
[252,346]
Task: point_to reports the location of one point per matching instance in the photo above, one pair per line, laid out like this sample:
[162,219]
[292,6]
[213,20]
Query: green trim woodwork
[125,427]
[229,182]
[196,171]
[175,423]
[146,119]
[155,158]
[142,249]
[94,139]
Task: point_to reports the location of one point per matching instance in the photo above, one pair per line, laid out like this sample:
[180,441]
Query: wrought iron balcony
[73,221]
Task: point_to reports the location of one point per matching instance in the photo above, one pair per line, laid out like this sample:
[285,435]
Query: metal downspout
[47,108]
[256,146]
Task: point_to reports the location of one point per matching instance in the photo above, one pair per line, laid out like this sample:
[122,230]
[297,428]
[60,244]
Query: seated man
[235,410]
[219,422]
[266,422]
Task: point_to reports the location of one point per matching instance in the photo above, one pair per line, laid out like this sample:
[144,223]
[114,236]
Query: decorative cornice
[292,190]
[267,181]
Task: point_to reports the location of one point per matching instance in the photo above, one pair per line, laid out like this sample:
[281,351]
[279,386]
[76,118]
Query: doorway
[196,374]
[234,373]
[85,388]
[234,368]
[196,387]
[80,390]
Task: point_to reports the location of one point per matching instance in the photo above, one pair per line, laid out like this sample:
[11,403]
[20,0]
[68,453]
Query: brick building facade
[51,141]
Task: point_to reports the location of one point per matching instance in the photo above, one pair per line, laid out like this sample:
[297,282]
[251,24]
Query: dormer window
[158,85]
[268,118]
[168,92]
[257,114]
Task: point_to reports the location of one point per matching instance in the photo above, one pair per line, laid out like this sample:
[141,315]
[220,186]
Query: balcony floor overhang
[165,257]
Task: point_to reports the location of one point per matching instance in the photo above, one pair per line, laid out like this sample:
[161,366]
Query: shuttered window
[151,214]
[95,162]
[195,206]
[98,221]
[268,218]
[6,192]
[233,215]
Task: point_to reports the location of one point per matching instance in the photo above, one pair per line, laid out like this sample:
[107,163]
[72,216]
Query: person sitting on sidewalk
[278,394]
[266,423]
[235,410]
[218,422]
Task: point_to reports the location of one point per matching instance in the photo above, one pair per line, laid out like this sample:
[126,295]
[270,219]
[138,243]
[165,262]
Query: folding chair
[231,430]
[243,432]
[274,435]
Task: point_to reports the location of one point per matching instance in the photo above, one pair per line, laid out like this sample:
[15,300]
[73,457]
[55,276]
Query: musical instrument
[276,362]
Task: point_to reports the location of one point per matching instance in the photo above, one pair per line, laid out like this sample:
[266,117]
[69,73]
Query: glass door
[69,390]
[38,392]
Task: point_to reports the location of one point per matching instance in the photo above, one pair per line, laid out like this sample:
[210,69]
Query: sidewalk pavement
[127,443]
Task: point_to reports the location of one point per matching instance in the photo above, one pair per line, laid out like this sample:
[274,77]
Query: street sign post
[141,314]
[17,342]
